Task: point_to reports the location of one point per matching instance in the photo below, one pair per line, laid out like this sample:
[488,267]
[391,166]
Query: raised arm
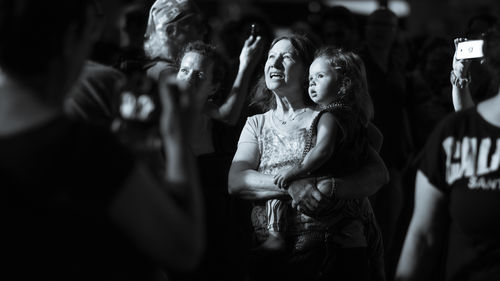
[460,80]
[229,112]
[425,235]
[245,181]
[148,209]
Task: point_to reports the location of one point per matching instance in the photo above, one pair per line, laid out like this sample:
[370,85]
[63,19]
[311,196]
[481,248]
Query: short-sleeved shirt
[59,179]
[462,160]
[280,149]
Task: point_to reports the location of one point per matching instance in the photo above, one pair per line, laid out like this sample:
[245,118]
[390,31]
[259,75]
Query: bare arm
[245,182]
[426,232]
[170,232]
[229,112]
[325,143]
[461,97]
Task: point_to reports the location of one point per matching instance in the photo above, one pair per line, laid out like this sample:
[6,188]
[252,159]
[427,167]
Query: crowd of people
[187,152]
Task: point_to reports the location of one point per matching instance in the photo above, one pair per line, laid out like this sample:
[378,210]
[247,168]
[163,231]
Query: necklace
[284,121]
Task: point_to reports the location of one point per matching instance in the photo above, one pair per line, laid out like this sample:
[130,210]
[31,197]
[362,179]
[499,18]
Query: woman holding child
[321,237]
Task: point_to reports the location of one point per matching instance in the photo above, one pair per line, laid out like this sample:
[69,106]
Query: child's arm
[317,156]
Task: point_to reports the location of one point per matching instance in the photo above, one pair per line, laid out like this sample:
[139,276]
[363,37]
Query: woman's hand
[251,52]
[306,197]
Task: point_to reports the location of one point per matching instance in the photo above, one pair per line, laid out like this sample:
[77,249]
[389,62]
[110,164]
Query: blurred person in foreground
[457,195]
[69,215]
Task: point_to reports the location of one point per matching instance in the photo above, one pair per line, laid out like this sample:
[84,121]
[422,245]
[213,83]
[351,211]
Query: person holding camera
[79,205]
[457,195]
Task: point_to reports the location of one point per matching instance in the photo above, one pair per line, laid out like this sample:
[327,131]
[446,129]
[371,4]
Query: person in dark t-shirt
[457,198]
[79,205]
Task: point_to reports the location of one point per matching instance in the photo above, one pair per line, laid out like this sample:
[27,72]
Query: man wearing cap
[171,25]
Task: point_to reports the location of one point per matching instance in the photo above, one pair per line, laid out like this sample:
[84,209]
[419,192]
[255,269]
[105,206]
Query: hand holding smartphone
[470,49]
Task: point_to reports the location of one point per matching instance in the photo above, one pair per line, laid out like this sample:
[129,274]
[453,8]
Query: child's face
[196,71]
[322,81]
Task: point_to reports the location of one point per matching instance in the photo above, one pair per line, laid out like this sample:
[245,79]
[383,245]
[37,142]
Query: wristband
[459,82]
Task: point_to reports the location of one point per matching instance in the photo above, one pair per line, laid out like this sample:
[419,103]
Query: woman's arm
[461,96]
[428,227]
[229,112]
[245,182]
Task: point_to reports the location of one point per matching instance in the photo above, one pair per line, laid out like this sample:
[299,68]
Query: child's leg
[275,216]
[276,223]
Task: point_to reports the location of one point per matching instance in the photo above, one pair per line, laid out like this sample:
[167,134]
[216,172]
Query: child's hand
[283,178]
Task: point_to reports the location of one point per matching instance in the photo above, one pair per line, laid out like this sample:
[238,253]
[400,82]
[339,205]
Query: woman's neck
[489,109]
[286,105]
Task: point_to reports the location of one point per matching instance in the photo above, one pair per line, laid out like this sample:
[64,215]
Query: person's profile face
[283,68]
[323,81]
[196,72]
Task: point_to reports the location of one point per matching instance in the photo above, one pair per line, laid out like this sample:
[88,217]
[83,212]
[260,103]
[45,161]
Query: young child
[337,141]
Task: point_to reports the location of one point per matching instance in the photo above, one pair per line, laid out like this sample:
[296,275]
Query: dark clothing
[388,92]
[462,160]
[60,179]
[351,145]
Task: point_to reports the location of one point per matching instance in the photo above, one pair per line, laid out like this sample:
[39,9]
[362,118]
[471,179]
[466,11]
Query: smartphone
[470,49]
[254,30]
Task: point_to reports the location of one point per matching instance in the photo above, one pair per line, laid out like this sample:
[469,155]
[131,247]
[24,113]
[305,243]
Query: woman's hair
[33,32]
[353,86]
[304,48]
[210,52]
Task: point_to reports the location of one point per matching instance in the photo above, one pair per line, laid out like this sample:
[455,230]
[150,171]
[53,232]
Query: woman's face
[284,70]
[323,80]
[196,71]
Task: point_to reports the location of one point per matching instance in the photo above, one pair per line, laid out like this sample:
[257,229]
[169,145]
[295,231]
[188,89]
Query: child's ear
[346,84]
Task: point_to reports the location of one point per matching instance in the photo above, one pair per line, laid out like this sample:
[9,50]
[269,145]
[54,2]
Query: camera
[470,49]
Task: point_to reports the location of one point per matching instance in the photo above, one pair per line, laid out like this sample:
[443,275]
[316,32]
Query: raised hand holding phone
[469,49]
[252,49]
